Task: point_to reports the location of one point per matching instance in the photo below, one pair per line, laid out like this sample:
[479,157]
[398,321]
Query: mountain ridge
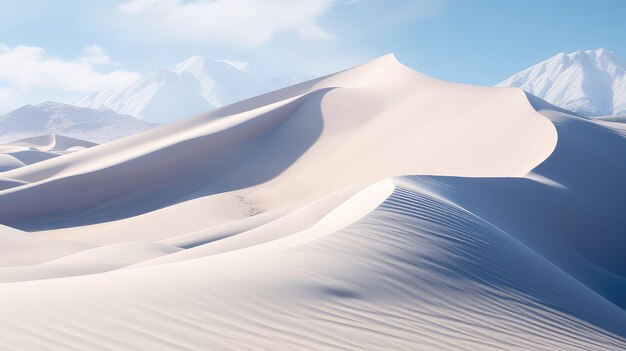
[195,85]
[94,125]
[587,82]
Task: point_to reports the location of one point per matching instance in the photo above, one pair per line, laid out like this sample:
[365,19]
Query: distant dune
[31,150]
[375,208]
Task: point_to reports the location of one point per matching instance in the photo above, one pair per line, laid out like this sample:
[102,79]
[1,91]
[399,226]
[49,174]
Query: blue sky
[61,50]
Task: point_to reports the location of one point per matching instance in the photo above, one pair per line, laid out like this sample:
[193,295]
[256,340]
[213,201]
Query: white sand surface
[376,208]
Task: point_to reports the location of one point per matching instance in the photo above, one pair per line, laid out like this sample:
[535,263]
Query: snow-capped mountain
[589,83]
[192,86]
[95,125]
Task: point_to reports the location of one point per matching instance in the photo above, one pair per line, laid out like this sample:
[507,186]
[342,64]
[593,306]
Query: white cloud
[242,22]
[315,33]
[28,72]
[95,55]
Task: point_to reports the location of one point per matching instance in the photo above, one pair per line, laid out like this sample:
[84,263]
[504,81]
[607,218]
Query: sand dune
[89,261]
[439,278]
[20,248]
[6,183]
[579,226]
[9,162]
[287,141]
[375,208]
[18,153]
[52,142]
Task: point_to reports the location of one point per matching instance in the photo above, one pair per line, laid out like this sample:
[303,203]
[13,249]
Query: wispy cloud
[27,72]
[95,55]
[240,22]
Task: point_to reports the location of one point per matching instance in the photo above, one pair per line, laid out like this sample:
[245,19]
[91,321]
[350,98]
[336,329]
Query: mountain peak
[389,58]
[204,62]
[602,51]
[597,53]
[586,82]
[49,105]
[192,86]
[194,61]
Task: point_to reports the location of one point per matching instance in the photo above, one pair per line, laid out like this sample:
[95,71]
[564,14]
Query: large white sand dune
[288,141]
[375,208]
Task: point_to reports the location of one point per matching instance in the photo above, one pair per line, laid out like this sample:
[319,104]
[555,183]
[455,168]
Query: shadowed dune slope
[417,272]
[576,219]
